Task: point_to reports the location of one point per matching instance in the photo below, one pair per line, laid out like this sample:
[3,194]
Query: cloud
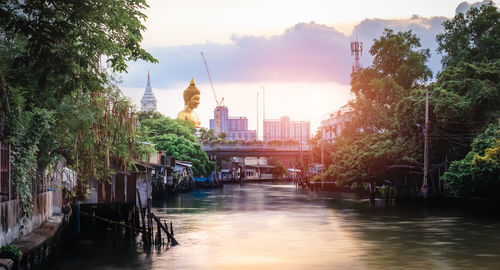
[464,6]
[306,52]
[424,28]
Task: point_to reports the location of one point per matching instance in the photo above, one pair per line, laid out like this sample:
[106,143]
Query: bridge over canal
[288,154]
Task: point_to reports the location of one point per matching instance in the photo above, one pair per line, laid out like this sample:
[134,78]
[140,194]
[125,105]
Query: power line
[472,133]
[458,137]
[456,143]
[454,140]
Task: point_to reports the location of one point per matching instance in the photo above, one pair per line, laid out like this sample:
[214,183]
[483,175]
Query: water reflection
[280,227]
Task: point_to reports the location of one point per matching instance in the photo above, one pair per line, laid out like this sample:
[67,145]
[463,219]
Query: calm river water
[264,226]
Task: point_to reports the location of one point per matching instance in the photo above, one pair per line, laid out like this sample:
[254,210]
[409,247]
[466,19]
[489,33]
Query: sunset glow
[299,54]
[249,134]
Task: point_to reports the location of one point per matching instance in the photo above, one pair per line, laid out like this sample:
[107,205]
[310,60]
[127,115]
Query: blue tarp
[202,179]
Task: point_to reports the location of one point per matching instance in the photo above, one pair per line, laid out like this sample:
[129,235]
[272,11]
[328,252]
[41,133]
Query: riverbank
[40,246]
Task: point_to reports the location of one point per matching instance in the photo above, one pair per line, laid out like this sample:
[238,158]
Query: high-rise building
[148,100]
[284,129]
[234,127]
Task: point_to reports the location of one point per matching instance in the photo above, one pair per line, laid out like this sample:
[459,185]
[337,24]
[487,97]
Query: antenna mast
[356,51]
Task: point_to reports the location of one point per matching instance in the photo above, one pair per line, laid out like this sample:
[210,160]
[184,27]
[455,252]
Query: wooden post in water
[111,223]
[144,234]
[93,222]
[150,221]
[372,191]
[158,233]
[149,206]
[166,226]
[174,242]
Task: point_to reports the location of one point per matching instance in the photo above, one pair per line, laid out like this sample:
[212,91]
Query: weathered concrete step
[6,264]
[38,236]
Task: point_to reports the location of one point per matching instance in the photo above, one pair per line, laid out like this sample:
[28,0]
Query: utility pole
[257,116]
[300,148]
[425,186]
[215,169]
[263,113]
[322,152]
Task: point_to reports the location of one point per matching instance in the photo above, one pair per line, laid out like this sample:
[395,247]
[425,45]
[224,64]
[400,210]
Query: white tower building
[148,101]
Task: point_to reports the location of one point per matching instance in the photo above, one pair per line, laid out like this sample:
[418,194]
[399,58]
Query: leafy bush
[478,174]
[10,252]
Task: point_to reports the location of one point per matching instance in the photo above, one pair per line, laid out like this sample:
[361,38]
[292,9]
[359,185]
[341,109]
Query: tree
[478,174]
[176,138]
[223,136]
[473,37]
[151,115]
[279,169]
[371,148]
[398,69]
[96,133]
[384,142]
[471,45]
[464,97]
[52,83]
[207,135]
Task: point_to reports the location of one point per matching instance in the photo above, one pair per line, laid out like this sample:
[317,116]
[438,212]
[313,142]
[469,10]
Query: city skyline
[303,62]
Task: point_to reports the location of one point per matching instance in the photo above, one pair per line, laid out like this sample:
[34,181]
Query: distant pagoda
[148,101]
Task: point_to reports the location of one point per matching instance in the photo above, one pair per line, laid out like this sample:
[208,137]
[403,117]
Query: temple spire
[149,83]
[148,101]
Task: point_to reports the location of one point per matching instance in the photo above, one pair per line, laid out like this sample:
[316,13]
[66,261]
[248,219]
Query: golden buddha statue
[191,101]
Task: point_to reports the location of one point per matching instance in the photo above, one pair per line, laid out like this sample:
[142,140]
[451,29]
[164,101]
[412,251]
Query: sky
[297,51]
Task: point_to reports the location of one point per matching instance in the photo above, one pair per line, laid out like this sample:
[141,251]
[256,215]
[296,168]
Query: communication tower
[356,51]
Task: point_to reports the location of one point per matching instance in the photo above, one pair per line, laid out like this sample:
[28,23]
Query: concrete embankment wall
[10,216]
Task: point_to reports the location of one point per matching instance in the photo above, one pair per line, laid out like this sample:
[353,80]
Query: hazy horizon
[301,57]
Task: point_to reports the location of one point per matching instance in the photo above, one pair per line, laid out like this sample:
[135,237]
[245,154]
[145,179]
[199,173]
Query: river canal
[265,226]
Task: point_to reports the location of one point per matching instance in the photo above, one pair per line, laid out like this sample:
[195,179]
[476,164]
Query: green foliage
[373,144]
[279,169]
[56,98]
[396,58]
[368,157]
[207,136]
[478,174]
[384,140]
[29,128]
[320,150]
[148,115]
[144,149]
[398,70]
[101,128]
[464,99]
[473,37]
[12,252]
[176,138]
[478,84]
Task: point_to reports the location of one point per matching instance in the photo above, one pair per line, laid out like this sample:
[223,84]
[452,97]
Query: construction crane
[218,103]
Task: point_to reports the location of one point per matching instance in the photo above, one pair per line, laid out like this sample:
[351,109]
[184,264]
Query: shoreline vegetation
[60,103]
